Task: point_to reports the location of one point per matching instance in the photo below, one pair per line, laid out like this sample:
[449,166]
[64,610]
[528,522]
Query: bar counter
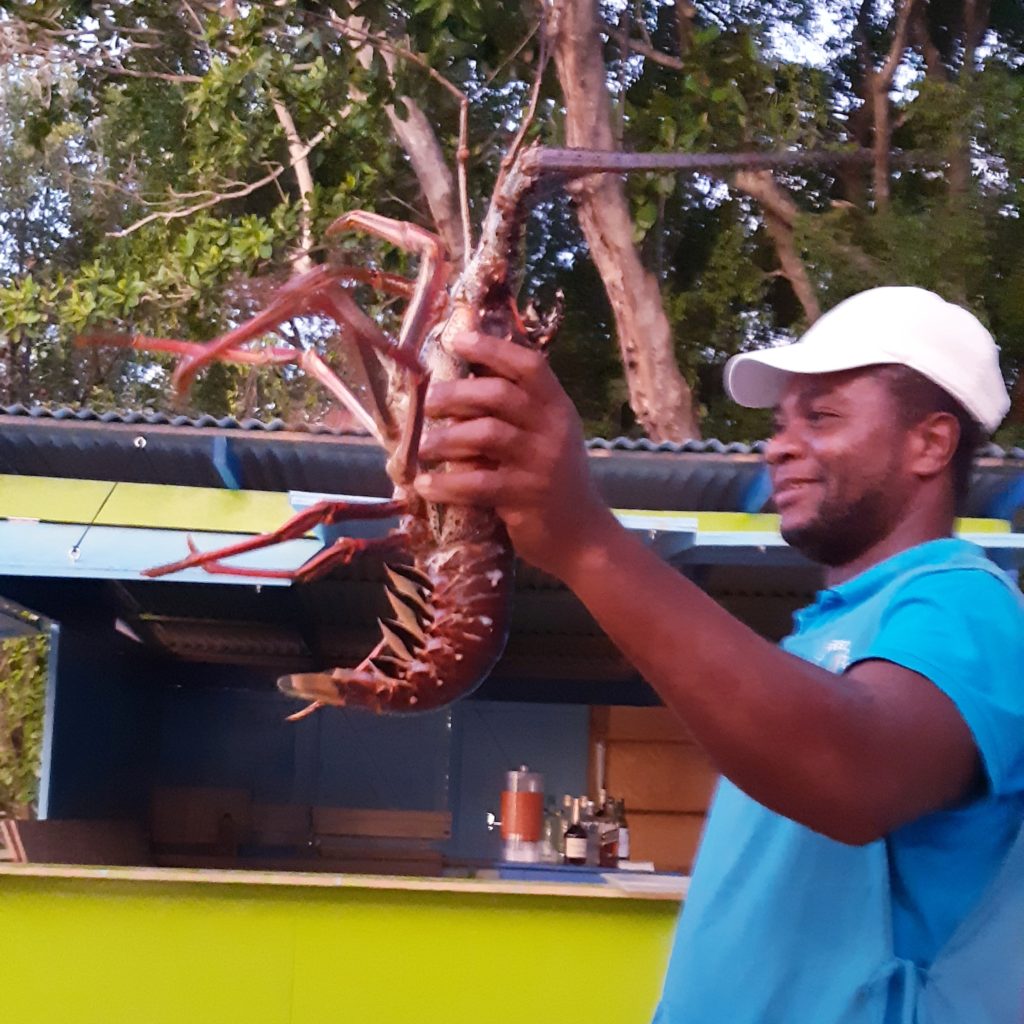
[89,945]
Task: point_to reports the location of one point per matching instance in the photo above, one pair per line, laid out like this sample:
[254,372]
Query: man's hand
[512,441]
[850,756]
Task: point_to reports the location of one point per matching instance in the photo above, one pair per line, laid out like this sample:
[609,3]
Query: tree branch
[417,137]
[880,82]
[630,42]
[780,215]
[300,163]
[221,197]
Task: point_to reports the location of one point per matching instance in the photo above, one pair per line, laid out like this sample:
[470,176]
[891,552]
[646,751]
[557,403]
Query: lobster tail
[449,627]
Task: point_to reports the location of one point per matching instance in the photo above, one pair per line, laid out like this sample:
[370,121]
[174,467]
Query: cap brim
[758,379]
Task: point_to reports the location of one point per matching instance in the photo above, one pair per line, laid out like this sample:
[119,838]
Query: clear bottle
[553,839]
[566,811]
[575,838]
[620,814]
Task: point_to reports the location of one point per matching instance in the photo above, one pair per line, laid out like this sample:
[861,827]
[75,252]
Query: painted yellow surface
[766,522]
[154,506]
[162,506]
[87,951]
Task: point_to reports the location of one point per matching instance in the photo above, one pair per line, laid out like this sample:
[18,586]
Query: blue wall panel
[237,737]
[120,724]
[100,728]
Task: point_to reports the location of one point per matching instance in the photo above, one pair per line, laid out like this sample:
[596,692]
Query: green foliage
[137,185]
[22,699]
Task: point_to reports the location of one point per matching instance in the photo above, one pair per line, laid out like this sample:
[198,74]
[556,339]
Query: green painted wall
[85,951]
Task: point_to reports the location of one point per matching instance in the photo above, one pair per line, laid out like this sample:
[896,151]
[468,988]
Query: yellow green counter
[174,946]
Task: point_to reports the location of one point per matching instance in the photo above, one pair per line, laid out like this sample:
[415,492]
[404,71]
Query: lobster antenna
[543,58]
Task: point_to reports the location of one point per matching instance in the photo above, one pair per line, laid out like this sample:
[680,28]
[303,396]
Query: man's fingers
[480,396]
[524,366]
[470,485]
[481,438]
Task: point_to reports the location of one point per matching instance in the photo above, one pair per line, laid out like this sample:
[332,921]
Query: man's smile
[786,490]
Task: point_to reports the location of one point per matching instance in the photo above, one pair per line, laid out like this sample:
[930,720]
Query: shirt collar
[872,579]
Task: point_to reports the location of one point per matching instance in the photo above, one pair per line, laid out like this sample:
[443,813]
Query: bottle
[566,811]
[592,827]
[553,838]
[575,838]
[620,814]
[608,834]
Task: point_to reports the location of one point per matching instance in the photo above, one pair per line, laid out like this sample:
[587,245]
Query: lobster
[451,577]
[451,604]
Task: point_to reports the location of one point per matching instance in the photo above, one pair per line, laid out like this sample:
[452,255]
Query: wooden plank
[641,724]
[196,815]
[77,842]
[289,878]
[396,824]
[669,840]
[156,506]
[281,824]
[660,776]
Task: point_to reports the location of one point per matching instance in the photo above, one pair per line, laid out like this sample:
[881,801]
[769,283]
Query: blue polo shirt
[784,925]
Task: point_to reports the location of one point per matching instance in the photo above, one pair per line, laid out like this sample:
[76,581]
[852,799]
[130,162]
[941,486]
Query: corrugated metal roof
[207,452]
[149,447]
[702,446]
[331,621]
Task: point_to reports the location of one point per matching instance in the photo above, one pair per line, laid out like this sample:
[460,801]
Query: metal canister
[522,815]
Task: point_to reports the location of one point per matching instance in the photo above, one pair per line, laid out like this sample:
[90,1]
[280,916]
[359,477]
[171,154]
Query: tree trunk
[417,137]
[659,395]
[975,22]
[686,14]
[780,214]
[879,82]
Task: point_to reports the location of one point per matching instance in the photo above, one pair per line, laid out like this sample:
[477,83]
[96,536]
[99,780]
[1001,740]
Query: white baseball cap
[910,326]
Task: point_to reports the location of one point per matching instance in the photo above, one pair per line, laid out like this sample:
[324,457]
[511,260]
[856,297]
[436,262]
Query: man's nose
[782,445]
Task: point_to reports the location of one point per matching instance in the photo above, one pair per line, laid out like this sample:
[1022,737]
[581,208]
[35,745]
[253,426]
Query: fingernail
[466,340]
[435,394]
[423,482]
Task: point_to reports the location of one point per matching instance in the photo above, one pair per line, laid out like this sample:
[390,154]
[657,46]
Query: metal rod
[577,162]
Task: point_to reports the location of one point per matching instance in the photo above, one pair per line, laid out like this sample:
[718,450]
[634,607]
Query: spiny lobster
[451,604]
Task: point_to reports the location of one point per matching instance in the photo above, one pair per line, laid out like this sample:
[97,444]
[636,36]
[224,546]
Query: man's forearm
[806,743]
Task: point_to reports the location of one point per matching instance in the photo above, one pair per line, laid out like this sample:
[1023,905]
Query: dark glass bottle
[575,838]
[609,834]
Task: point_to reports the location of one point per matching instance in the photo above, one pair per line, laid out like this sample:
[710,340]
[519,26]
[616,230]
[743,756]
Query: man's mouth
[787,491]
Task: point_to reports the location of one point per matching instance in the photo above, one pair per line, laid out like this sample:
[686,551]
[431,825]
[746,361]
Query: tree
[189,155]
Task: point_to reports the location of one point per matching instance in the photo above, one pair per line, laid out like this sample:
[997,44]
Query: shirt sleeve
[963,629]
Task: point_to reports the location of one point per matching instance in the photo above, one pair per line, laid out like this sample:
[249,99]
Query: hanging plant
[22,699]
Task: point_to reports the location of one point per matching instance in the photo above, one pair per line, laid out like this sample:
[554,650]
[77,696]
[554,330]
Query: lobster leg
[314,291]
[374,421]
[420,317]
[430,281]
[323,512]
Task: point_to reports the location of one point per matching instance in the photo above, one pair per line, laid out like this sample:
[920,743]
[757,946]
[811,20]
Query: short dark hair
[917,397]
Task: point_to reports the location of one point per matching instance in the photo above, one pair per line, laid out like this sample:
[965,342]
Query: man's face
[837,464]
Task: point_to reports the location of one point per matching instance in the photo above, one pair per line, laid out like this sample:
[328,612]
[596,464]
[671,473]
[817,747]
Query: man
[862,861]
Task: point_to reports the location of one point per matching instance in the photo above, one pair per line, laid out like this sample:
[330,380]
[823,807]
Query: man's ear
[933,443]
